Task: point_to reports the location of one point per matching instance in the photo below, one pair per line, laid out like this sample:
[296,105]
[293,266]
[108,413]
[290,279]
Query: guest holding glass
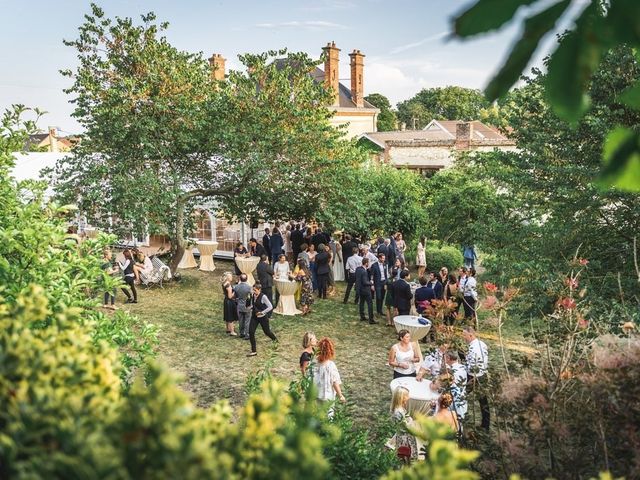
[402,356]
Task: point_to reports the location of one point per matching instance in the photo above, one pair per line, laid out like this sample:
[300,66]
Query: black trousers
[469,304]
[130,281]
[399,375]
[351,280]
[380,291]
[480,383]
[253,326]
[366,297]
[323,280]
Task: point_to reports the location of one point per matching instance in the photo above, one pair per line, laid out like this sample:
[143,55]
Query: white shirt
[477,358]
[324,376]
[354,262]
[372,258]
[432,363]
[404,357]
[383,271]
[458,388]
[469,286]
[281,270]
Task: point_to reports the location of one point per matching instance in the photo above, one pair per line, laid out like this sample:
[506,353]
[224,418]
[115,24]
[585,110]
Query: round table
[188,260]
[410,322]
[421,397]
[248,265]
[207,249]
[287,301]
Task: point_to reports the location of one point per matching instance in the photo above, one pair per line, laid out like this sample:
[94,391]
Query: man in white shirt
[353,262]
[432,363]
[459,383]
[368,254]
[477,367]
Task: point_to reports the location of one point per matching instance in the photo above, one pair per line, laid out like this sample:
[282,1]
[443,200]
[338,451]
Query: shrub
[443,255]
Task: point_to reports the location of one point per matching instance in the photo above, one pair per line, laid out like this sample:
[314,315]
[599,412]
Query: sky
[405,42]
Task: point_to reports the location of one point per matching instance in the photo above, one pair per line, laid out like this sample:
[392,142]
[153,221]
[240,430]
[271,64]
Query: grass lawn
[214,366]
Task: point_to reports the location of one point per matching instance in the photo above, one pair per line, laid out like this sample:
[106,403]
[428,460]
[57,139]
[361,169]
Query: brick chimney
[357,67]
[217,62]
[331,79]
[464,134]
[53,139]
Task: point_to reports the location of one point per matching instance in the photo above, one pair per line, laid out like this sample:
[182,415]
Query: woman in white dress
[288,246]
[338,263]
[326,376]
[421,259]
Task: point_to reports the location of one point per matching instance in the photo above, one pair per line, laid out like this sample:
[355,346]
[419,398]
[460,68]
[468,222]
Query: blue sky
[403,40]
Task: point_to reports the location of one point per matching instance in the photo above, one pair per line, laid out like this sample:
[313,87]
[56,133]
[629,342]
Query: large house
[435,146]
[49,142]
[350,108]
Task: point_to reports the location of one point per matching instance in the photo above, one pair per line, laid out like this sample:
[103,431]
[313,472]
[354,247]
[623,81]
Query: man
[434,287]
[422,296]
[304,254]
[264,271]
[260,315]
[352,265]
[276,243]
[469,255]
[458,383]
[322,270]
[297,239]
[366,253]
[433,363]
[477,367]
[318,238]
[402,293]
[347,251]
[380,274]
[364,287]
[255,249]
[382,248]
[244,305]
[266,242]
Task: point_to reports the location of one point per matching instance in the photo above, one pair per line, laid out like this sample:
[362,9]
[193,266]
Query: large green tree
[162,134]
[387,119]
[444,103]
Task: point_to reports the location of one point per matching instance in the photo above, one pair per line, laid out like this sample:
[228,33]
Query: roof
[344,93]
[36,139]
[481,131]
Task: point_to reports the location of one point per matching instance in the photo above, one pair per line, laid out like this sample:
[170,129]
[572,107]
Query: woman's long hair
[399,398]
[326,350]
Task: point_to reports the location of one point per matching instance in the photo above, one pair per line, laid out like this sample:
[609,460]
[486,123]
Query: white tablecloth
[207,249]
[188,260]
[248,265]
[287,301]
[410,322]
[421,398]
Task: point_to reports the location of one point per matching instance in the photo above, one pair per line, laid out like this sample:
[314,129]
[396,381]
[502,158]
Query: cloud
[409,46]
[307,24]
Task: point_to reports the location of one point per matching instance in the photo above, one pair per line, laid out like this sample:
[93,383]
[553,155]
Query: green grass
[214,366]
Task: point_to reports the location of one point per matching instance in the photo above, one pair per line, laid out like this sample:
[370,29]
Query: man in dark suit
[347,251]
[363,288]
[381,248]
[402,293]
[380,274]
[255,249]
[322,270]
[318,238]
[264,270]
[297,239]
[266,243]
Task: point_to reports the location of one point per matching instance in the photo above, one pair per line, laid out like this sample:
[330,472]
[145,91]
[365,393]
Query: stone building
[435,146]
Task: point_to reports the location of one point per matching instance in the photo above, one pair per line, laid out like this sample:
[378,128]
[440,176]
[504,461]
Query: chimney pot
[357,81]
[331,77]
[217,64]
[464,134]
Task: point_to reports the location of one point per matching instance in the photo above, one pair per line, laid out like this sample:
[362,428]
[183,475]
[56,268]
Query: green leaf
[534,29]
[621,160]
[572,64]
[631,96]
[486,15]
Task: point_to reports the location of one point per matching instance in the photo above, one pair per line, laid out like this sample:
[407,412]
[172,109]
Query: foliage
[446,103]
[162,134]
[598,28]
[387,119]
[440,255]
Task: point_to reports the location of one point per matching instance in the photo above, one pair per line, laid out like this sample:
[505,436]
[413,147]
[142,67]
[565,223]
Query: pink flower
[571,282]
[568,303]
[490,287]
[583,322]
[583,261]
[490,302]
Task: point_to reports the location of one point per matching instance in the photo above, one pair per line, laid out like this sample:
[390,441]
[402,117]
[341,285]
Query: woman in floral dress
[303,275]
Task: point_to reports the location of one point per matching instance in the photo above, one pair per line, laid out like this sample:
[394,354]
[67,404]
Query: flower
[582,322]
[571,282]
[490,287]
[490,302]
[583,261]
[568,303]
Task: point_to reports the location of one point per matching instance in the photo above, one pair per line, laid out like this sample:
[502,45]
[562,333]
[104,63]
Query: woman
[110,269]
[304,254]
[309,342]
[421,259]
[281,270]
[338,262]
[323,268]
[398,267]
[288,246]
[401,246]
[469,286]
[312,266]
[451,294]
[260,314]
[402,356]
[239,251]
[326,376]
[303,275]
[229,311]
[445,414]
[143,266]
[129,276]
[399,403]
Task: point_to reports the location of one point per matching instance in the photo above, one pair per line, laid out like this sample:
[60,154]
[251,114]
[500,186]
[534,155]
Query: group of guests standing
[135,268]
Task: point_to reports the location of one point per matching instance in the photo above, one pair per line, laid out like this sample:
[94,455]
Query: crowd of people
[134,269]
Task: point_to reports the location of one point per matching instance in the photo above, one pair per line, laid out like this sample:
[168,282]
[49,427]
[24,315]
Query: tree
[447,103]
[162,134]
[387,119]
[597,29]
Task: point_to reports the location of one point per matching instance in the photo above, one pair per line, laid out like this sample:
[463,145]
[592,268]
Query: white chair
[159,274]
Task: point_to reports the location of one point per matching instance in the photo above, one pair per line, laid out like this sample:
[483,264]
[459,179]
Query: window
[204,228]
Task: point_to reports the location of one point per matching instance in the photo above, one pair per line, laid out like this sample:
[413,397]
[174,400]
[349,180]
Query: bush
[443,255]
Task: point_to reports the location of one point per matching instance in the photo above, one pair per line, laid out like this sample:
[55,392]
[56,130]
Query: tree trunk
[178,241]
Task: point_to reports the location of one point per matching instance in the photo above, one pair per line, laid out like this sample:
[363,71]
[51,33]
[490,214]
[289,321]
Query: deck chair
[159,274]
